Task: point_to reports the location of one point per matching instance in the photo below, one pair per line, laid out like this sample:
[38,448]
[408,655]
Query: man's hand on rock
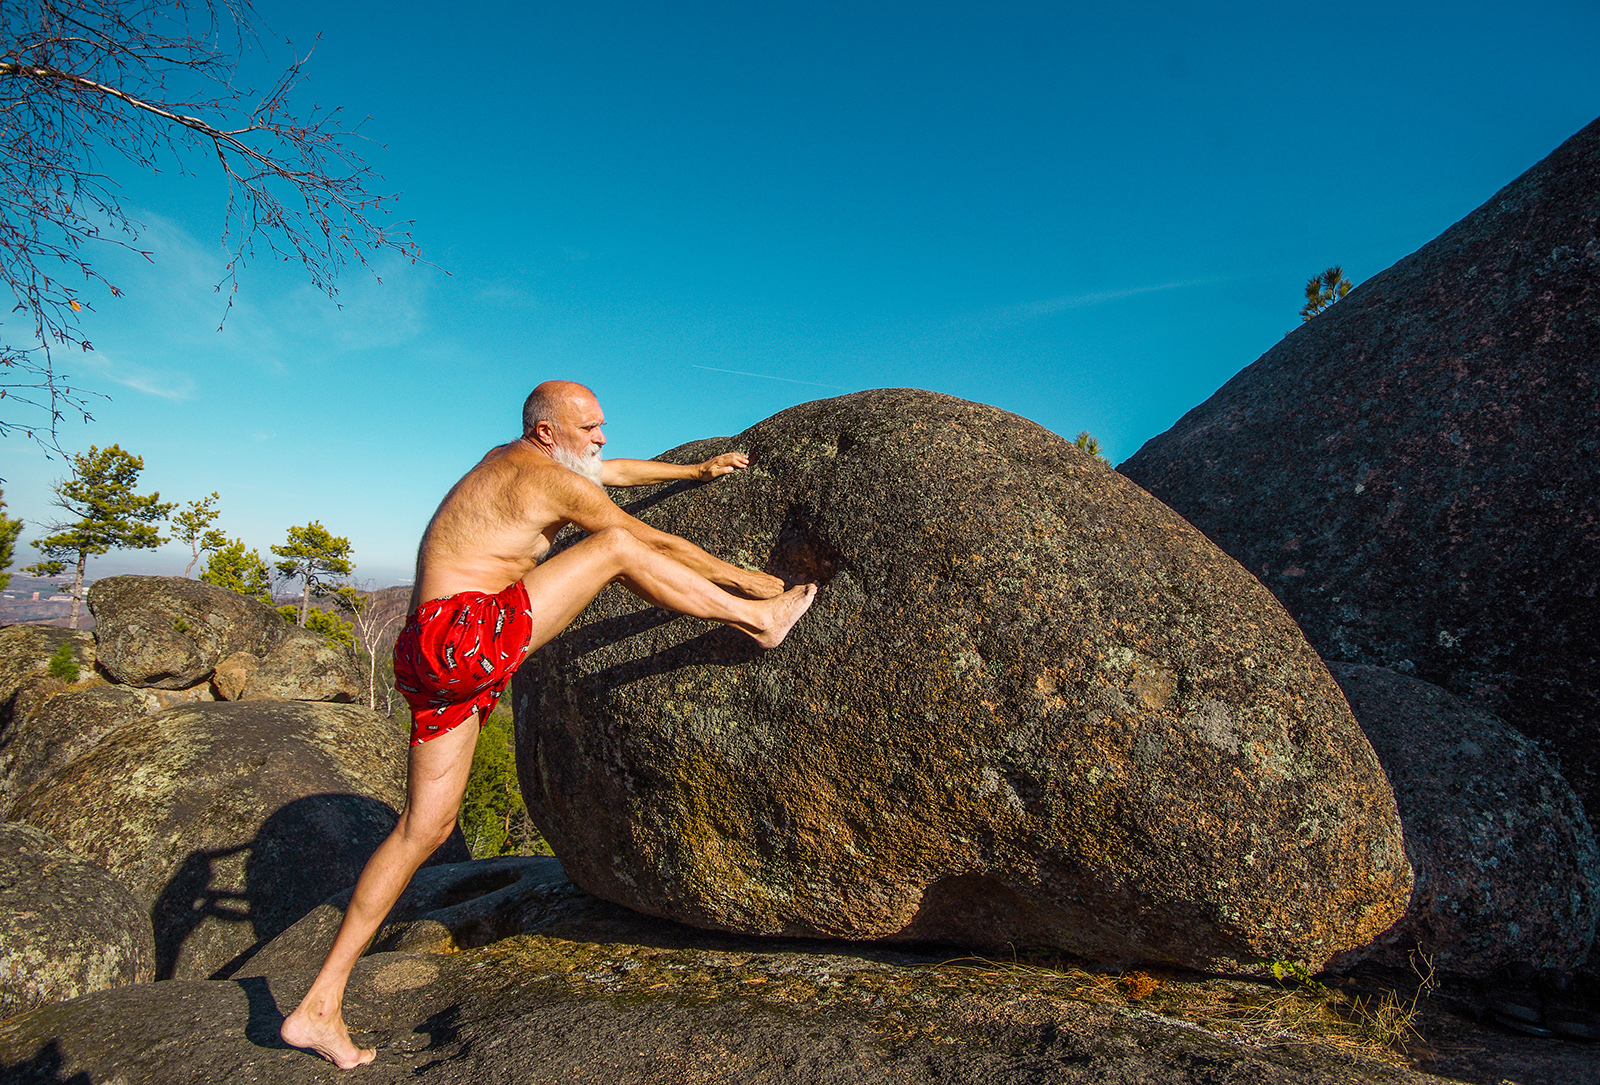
[725,464]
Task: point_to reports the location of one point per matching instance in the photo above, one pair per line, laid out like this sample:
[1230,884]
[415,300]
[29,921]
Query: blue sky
[1092,215]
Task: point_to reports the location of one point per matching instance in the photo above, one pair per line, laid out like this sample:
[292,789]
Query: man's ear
[543,432]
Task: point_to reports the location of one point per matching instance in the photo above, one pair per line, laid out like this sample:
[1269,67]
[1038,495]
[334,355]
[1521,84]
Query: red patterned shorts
[457,654]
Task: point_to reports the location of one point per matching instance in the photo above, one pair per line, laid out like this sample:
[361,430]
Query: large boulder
[229,821]
[170,632]
[1030,705]
[63,727]
[1415,473]
[66,926]
[1506,864]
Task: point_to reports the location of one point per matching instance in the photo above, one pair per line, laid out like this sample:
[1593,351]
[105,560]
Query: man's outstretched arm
[644,472]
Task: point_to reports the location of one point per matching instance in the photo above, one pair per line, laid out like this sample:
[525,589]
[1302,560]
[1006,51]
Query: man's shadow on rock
[306,851]
[261,1028]
[44,1068]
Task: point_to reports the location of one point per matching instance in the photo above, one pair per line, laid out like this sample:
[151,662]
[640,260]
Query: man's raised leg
[562,586]
[436,778]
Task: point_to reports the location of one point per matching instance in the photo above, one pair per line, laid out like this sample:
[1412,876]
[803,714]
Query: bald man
[483,600]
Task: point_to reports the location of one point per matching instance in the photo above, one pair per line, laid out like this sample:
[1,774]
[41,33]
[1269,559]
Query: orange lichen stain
[1048,686]
[1137,985]
[1153,685]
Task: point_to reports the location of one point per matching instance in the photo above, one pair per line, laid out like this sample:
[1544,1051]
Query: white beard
[587,464]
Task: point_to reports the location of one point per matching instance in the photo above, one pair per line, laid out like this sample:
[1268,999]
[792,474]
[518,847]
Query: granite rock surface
[1506,864]
[25,652]
[170,632]
[303,666]
[62,727]
[229,821]
[592,992]
[1415,472]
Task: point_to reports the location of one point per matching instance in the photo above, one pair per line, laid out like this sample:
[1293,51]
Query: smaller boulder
[62,727]
[1507,869]
[229,821]
[66,926]
[233,674]
[25,652]
[170,632]
[445,908]
[172,698]
[305,666]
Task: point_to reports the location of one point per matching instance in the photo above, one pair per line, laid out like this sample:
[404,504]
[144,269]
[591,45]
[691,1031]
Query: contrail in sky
[1055,305]
[768,376]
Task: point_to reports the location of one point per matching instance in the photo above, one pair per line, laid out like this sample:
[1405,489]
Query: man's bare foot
[786,610]
[327,1036]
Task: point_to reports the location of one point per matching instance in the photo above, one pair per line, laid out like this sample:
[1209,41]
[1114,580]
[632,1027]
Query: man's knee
[615,540]
[426,833]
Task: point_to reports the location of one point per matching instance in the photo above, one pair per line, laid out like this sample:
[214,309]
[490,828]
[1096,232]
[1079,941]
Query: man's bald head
[548,400]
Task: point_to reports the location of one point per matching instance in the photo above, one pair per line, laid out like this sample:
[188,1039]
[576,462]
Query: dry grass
[1294,1009]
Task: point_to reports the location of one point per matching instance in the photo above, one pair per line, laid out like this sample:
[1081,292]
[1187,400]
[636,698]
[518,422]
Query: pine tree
[9,530]
[1323,290]
[1087,442]
[110,516]
[239,569]
[492,801]
[326,622]
[313,555]
[193,527]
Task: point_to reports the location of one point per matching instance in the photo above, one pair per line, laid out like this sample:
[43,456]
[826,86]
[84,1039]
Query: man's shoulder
[513,462]
[530,472]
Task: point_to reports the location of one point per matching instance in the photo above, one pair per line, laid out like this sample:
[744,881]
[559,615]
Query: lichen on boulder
[25,652]
[1031,705]
[303,666]
[66,926]
[63,727]
[170,632]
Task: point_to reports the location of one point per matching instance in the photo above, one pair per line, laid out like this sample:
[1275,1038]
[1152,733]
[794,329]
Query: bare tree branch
[137,82]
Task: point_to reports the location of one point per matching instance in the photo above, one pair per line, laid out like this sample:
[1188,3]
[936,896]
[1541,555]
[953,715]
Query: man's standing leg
[558,590]
[436,779]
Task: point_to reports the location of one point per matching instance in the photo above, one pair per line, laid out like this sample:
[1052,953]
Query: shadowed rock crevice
[802,555]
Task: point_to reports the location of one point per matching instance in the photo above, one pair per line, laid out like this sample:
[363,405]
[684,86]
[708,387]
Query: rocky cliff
[1415,473]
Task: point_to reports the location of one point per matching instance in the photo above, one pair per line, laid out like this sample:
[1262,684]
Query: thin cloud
[769,376]
[1033,310]
[504,292]
[177,387]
